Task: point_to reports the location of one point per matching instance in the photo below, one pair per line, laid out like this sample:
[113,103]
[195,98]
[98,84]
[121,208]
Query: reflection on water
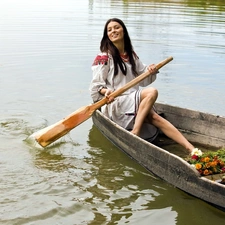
[46,50]
[130,192]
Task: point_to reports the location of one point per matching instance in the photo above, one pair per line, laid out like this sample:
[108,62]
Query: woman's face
[115,32]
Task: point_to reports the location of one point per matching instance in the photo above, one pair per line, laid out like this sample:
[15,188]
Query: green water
[46,51]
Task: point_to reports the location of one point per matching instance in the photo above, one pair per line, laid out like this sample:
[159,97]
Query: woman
[116,65]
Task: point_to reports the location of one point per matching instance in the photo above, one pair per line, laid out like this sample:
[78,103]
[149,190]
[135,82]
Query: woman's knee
[149,93]
[154,91]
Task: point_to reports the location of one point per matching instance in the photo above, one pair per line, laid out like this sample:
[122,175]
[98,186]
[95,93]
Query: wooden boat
[166,159]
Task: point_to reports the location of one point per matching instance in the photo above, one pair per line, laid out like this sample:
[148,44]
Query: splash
[31,141]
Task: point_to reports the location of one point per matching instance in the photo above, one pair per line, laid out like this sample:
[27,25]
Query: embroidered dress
[124,108]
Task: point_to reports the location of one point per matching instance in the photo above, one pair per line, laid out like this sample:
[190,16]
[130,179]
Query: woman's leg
[148,98]
[146,113]
[169,130]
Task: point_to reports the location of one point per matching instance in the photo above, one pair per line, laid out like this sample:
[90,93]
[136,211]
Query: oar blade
[50,134]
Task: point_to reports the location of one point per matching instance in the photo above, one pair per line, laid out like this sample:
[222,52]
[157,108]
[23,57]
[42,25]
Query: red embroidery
[101,60]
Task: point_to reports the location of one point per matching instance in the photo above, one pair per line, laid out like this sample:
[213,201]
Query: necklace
[124,57]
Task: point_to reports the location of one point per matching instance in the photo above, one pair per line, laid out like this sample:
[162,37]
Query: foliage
[208,163]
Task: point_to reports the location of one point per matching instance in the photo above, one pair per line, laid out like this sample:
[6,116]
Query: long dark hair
[108,46]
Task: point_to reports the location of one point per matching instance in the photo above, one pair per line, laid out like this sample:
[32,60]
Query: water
[46,50]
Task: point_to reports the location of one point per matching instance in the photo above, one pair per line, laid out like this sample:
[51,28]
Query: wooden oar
[51,133]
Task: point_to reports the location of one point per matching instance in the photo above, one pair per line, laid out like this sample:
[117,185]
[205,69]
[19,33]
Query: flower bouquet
[208,163]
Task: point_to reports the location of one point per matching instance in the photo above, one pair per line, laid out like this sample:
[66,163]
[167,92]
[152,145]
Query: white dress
[124,108]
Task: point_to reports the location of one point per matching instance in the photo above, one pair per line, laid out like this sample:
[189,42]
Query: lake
[46,52]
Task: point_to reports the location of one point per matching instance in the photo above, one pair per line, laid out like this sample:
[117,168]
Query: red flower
[195,157]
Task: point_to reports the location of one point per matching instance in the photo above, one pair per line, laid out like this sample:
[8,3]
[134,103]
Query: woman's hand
[107,93]
[152,69]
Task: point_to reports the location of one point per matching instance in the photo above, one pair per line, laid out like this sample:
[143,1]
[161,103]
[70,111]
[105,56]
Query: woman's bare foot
[135,133]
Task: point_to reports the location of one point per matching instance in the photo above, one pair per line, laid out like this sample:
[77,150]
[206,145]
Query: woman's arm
[100,69]
[141,68]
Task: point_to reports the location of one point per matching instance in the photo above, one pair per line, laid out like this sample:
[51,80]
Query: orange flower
[206,172]
[198,166]
[214,164]
[206,159]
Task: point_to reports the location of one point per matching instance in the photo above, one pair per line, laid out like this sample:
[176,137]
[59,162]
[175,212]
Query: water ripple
[47,48]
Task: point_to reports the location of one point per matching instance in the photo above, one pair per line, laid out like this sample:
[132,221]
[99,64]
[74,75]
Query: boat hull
[165,164]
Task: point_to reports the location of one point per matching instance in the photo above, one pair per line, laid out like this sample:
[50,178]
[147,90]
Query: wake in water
[31,141]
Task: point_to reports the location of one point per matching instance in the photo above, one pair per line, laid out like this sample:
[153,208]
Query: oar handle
[132,83]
